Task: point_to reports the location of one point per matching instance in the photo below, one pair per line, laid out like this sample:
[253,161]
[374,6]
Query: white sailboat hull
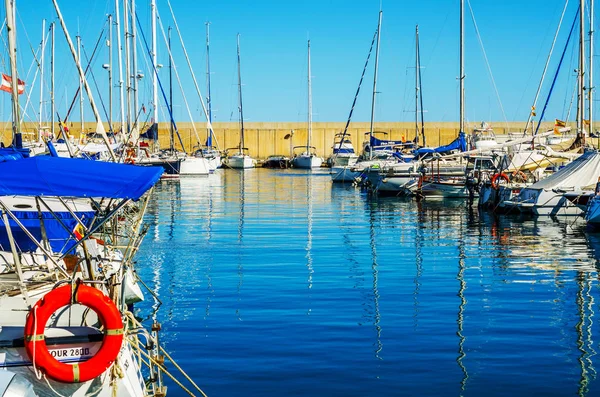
[549,203]
[307,161]
[130,385]
[592,214]
[344,174]
[241,161]
[343,160]
[194,166]
[213,163]
[444,190]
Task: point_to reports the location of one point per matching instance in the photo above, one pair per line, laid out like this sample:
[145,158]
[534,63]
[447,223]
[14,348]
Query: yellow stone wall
[265,139]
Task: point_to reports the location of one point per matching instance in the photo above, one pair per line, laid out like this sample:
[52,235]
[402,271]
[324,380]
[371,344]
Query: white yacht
[308,159]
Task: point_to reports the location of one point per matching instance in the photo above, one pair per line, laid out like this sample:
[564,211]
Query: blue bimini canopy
[460,144]
[59,236]
[78,178]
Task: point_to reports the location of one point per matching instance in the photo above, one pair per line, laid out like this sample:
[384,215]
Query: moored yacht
[240,159]
[343,153]
[308,159]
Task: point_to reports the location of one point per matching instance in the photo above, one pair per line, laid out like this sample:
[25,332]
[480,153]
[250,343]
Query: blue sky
[516,35]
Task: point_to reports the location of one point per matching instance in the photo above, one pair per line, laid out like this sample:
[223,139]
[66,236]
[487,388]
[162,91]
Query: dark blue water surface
[278,283]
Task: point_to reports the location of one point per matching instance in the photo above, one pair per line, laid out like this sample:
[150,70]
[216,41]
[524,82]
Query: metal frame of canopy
[54,178]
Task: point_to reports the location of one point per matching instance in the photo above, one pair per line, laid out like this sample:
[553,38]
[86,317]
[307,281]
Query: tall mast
[417,85]
[591,75]
[12,48]
[420,89]
[240,95]
[462,65]
[52,102]
[581,86]
[208,97]
[154,75]
[120,60]
[99,125]
[171,89]
[43,45]
[82,127]
[375,83]
[308,142]
[110,69]
[127,61]
[134,135]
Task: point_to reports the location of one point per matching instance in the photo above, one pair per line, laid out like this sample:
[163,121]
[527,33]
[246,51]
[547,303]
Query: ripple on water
[278,283]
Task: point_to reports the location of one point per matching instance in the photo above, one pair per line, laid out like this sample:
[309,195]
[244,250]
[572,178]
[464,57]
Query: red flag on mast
[7,84]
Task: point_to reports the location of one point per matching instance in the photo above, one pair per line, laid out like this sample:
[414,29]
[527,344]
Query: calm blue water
[276,283]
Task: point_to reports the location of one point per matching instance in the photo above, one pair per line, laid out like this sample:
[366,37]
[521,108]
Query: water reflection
[419,232]
[461,308]
[584,332]
[483,289]
[240,235]
[375,270]
[309,259]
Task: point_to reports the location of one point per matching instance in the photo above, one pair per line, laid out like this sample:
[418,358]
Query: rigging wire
[178,80]
[160,84]
[91,61]
[537,94]
[557,70]
[487,63]
[358,90]
[87,68]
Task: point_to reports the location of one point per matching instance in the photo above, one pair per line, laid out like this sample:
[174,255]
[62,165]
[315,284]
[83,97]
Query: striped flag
[7,84]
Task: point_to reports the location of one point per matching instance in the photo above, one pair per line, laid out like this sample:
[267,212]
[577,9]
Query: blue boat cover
[341,151]
[9,154]
[52,149]
[55,176]
[460,144]
[380,144]
[60,239]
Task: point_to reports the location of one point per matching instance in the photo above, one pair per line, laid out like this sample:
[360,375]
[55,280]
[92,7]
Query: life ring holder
[496,182]
[35,341]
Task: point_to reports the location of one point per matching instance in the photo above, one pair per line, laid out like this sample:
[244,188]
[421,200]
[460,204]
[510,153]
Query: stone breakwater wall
[268,138]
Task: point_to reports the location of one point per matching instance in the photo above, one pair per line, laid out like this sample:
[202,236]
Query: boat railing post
[16,259]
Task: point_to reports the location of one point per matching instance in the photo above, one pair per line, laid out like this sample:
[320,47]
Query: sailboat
[53,256]
[210,152]
[560,193]
[175,163]
[240,160]
[308,159]
[370,156]
[343,153]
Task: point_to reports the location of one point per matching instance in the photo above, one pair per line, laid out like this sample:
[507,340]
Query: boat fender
[496,182]
[35,342]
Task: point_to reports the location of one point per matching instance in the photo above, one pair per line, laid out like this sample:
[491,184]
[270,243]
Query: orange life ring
[35,342]
[520,174]
[130,156]
[495,182]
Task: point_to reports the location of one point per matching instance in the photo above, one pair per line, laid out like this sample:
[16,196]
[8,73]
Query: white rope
[51,388]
